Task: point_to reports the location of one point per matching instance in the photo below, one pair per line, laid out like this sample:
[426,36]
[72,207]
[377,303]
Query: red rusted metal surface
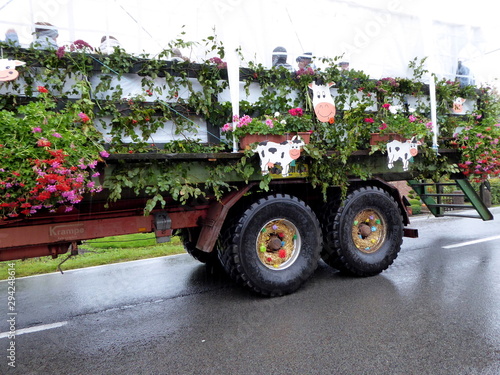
[216,216]
[43,235]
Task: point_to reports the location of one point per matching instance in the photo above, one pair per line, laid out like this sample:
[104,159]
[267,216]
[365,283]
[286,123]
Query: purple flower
[57,135]
[37,129]
[60,52]
[80,44]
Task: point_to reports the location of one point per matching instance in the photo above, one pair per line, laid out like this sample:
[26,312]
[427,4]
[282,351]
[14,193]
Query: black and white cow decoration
[283,153]
[402,150]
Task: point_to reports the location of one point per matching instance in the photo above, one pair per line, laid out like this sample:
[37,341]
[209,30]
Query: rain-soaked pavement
[435,311]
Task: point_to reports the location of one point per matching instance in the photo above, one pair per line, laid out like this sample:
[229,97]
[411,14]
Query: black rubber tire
[342,252]
[330,257]
[240,257]
[189,237]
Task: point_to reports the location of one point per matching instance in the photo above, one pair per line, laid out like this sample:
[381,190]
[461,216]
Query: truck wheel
[273,247]
[189,238]
[365,234]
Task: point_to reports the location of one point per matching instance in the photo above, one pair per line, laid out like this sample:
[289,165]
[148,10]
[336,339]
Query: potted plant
[396,123]
[276,128]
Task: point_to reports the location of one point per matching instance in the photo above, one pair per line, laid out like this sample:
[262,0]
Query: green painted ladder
[434,200]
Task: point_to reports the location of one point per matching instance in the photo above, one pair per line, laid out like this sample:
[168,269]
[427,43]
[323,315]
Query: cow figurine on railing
[283,153]
[402,150]
[8,70]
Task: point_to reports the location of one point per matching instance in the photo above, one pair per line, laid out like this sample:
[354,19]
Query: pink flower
[369,120]
[60,52]
[227,127]
[84,117]
[245,120]
[386,106]
[412,118]
[80,44]
[56,135]
[269,123]
[37,129]
[104,154]
[383,126]
[296,112]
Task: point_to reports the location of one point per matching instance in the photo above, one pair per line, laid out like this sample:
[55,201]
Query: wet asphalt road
[435,311]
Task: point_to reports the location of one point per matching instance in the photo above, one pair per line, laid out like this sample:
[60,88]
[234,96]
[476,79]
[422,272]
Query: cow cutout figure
[324,106]
[8,70]
[284,153]
[458,105]
[397,150]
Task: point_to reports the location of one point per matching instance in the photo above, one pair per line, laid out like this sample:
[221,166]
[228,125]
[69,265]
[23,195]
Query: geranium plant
[295,120]
[48,158]
[407,123]
[479,145]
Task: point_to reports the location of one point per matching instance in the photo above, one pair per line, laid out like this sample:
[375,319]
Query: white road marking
[460,244]
[42,327]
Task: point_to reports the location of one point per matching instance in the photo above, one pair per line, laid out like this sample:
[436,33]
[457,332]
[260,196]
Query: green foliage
[416,209]
[495,191]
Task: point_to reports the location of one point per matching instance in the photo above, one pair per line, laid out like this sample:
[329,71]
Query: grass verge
[97,252]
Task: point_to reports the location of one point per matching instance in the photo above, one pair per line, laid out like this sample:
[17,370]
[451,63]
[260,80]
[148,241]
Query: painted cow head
[458,105]
[323,103]
[8,70]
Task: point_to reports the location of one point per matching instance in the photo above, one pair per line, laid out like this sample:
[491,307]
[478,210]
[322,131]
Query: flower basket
[248,139]
[376,138]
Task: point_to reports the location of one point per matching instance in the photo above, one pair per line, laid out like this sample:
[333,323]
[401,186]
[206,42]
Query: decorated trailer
[95,145]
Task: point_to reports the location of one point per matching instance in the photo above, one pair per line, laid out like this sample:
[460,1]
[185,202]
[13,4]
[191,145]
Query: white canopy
[379,37]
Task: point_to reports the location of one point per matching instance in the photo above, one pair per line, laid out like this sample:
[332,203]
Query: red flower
[84,117]
[296,112]
[369,120]
[42,142]
[331,120]
[42,89]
